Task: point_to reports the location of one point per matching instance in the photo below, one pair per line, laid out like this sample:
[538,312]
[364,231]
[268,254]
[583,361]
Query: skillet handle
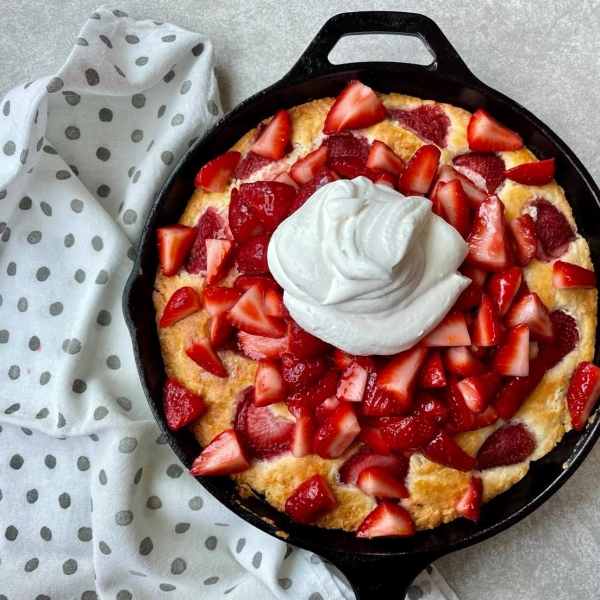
[314,61]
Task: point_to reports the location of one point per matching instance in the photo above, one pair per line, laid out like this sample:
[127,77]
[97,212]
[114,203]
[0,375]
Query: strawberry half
[566,276]
[445,451]
[461,361]
[269,386]
[454,205]
[353,383]
[259,347]
[509,445]
[216,174]
[420,170]
[183,303]
[371,437]
[538,172]
[248,315]
[531,311]
[305,168]
[376,481]
[273,139]
[432,375]
[512,358]
[305,344]
[386,520]
[503,288]
[310,500]
[584,391]
[270,201]
[356,107]
[217,299]
[469,504]
[225,455]
[407,433]
[301,443]
[181,406]
[243,222]
[204,356]
[480,390]
[217,255]
[383,158]
[364,458]
[452,331]
[485,134]
[174,243]
[274,306]
[525,243]
[334,436]
[489,330]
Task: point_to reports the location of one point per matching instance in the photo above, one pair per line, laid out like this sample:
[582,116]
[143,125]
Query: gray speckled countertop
[544,54]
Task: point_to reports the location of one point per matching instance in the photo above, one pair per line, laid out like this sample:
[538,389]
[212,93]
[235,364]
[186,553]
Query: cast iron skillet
[376,568]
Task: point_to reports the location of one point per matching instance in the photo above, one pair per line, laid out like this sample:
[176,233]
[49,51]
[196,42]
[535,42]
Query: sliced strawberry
[174,243]
[486,169]
[531,311]
[509,445]
[181,406]
[445,451]
[220,330]
[314,396]
[334,436]
[469,298]
[420,170]
[539,172]
[488,417]
[245,282]
[461,361]
[489,330]
[371,436]
[342,359]
[385,179]
[301,443]
[183,303]
[584,391]
[386,520]
[350,167]
[326,409]
[250,164]
[310,500]
[432,375]
[244,223]
[407,433]
[202,353]
[364,458]
[225,455]
[552,229]
[476,274]
[485,134]
[480,391]
[248,315]
[284,177]
[299,373]
[347,144]
[525,243]
[376,481]
[377,403]
[356,107]
[474,194]
[512,358]
[217,256]
[452,331]
[216,174]
[305,344]
[566,276]
[353,383]
[273,139]
[428,121]
[503,287]
[274,306]
[469,504]
[460,417]
[565,340]
[269,386]
[307,167]
[211,226]
[252,255]
[260,347]
[383,158]
[270,201]
[219,299]
[323,177]
[488,242]
[455,205]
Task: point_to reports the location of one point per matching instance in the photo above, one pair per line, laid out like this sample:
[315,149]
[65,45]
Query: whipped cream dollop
[365,268]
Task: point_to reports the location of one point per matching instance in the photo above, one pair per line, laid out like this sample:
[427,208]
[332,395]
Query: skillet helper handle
[314,61]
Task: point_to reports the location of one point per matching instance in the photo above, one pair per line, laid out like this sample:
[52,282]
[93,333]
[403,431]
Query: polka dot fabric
[93,502]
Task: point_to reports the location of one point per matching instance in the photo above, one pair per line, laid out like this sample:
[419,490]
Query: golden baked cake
[444,408]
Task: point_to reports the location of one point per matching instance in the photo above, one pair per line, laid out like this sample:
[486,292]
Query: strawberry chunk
[244,223]
[452,331]
[512,358]
[474,194]
[217,256]
[566,276]
[347,144]
[274,138]
[426,405]
[252,254]
[432,375]
[284,177]
[245,282]
[503,287]
[524,240]
[181,406]
[420,171]
[460,417]
[488,242]
[383,158]
[220,330]
[371,437]
[270,201]
[454,206]
[353,383]
[211,226]
[488,417]
[305,344]
[386,520]
[565,340]
[314,396]
[174,243]
[583,393]
[377,403]
[310,500]
[269,386]
[356,107]
[385,179]
[342,359]
[301,443]
[476,274]
[299,373]
[218,300]
[202,353]
[531,311]
[407,433]
[350,167]
[480,391]
[225,455]
[445,451]
[539,172]
[376,481]
[489,330]
[469,298]
[364,458]
[274,306]
[323,177]
[259,347]
[552,229]
[509,445]
[469,504]
[216,174]
[461,361]
[248,315]
[307,167]
[428,121]
[250,164]
[487,170]
[183,303]
[485,134]
[324,410]
[334,436]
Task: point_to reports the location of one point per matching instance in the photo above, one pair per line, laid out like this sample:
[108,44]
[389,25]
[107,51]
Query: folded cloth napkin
[94,504]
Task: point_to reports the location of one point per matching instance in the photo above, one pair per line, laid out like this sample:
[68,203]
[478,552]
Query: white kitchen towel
[93,502]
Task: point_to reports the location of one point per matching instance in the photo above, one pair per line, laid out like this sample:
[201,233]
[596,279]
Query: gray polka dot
[72,98]
[6,234]
[97,243]
[240,545]
[150,146]
[113,362]
[182,527]
[229,590]
[211,542]
[14,372]
[49,150]
[31,565]
[85,534]
[64,500]
[106,115]
[177,120]
[161,440]
[315,560]
[89,595]
[104,318]
[76,206]
[178,566]
[26,431]
[23,157]
[6,108]
[167,157]
[257,560]
[103,191]
[4,335]
[95,16]
[138,476]
[11,533]
[62,175]
[124,517]
[104,548]
[132,39]
[80,276]
[40,143]
[46,209]
[138,100]
[61,421]
[137,135]
[124,595]
[12,409]
[54,85]
[130,216]
[137,573]
[72,132]
[102,477]
[25,203]
[174,471]
[46,534]
[35,237]
[103,154]
[3,194]
[198,49]
[141,61]
[169,76]
[127,445]
[42,414]
[11,269]
[34,343]
[161,110]
[119,13]
[196,503]
[285,583]
[100,413]
[70,567]
[211,581]
[94,437]
[124,403]
[43,273]
[167,587]
[212,108]
[83,462]
[32,496]
[169,38]
[92,77]
[71,346]
[154,503]
[22,304]
[415,593]
[79,386]
[102,277]
[81,42]
[56,308]
[50,461]
[106,41]
[9,148]
[185,87]
[146,546]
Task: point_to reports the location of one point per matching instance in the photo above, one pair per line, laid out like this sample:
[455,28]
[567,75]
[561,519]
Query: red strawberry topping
[250,164]
[284,177]
[565,341]
[310,500]
[584,391]
[469,504]
[323,177]
[461,361]
[432,375]
[305,344]
[485,134]
[307,167]
[315,396]
[353,382]
[452,331]
[269,386]
[243,221]
[377,403]
[531,311]
[220,330]
[512,358]
[248,315]
[383,158]
[219,299]
[454,205]
[489,330]
[428,121]
[301,443]
[539,172]
[174,243]
[420,171]
[445,451]
[377,481]
[245,282]
[503,288]
[480,390]
[211,226]
[371,437]
[552,229]
[461,417]
[183,303]
[474,194]
[273,139]
[252,255]
[347,144]
[428,406]
[524,240]
[364,458]
[324,410]
[225,455]
[270,201]
[203,354]
[509,445]
[566,276]
[407,433]
[259,347]
[299,373]
[386,520]
[216,174]
[274,306]
[480,167]
[181,406]
[217,257]
[334,437]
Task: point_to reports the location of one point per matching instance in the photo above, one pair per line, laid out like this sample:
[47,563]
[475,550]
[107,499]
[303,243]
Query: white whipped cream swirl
[367,269]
